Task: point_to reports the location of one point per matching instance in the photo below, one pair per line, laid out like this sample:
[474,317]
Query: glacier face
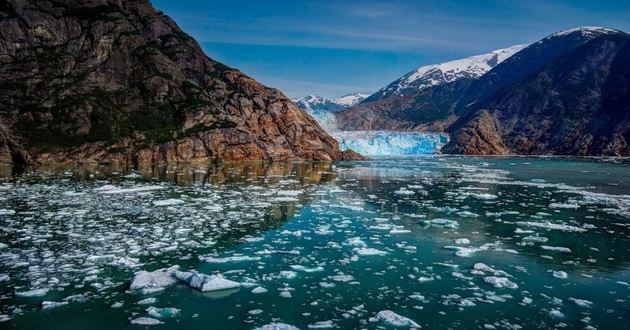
[390,143]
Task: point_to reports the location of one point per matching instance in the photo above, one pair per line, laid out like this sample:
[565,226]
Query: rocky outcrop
[579,104]
[112,80]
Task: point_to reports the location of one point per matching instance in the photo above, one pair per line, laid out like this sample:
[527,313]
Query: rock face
[578,104]
[115,80]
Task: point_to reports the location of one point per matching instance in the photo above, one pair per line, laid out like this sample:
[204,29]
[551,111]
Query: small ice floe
[552,226]
[161,313]
[32,293]
[500,282]
[160,278]
[53,304]
[7,212]
[301,268]
[392,319]
[255,312]
[259,290]
[581,302]
[109,189]
[287,274]
[277,326]
[559,274]
[146,321]
[462,241]
[204,283]
[322,325]
[147,301]
[399,230]
[365,251]
[229,259]
[446,223]
[168,202]
[404,191]
[556,314]
[563,206]
[342,278]
[556,248]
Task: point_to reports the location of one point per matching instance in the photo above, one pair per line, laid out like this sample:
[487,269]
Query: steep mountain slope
[528,61]
[318,103]
[423,99]
[106,80]
[440,74]
[577,104]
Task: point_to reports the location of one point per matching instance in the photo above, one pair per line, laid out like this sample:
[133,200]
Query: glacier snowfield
[429,242]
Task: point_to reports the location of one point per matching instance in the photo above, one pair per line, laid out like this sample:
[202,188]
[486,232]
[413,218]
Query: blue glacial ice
[390,143]
[381,143]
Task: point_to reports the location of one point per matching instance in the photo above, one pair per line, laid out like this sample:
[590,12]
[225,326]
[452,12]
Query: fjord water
[448,242]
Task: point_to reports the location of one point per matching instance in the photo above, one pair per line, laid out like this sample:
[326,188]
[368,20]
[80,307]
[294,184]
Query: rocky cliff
[578,104]
[116,80]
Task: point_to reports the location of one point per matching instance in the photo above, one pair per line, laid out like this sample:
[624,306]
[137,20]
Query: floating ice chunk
[404,191]
[259,290]
[229,259]
[462,241]
[552,226]
[127,262]
[500,282]
[168,202]
[399,231]
[7,212]
[307,270]
[527,300]
[108,189]
[392,319]
[288,274]
[147,301]
[32,293]
[369,252]
[564,206]
[555,248]
[356,241]
[556,314]
[277,326]
[444,223]
[582,302]
[559,274]
[117,304]
[255,311]
[342,278]
[156,279]
[484,196]
[538,239]
[322,325]
[146,321]
[53,304]
[285,294]
[203,282]
[162,312]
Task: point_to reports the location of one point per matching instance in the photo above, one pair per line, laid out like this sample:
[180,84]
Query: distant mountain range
[568,93]
[318,103]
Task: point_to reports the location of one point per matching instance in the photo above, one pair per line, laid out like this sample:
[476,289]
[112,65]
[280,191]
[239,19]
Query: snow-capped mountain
[588,32]
[439,74]
[318,103]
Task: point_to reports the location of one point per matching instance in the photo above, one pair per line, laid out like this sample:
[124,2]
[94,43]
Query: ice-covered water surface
[390,143]
[438,242]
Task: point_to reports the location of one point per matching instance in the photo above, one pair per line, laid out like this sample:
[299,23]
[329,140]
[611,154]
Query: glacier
[381,143]
[390,143]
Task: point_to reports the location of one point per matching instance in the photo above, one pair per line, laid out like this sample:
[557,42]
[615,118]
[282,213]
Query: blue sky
[335,47]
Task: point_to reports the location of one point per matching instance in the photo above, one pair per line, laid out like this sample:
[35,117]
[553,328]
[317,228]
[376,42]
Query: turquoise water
[446,242]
